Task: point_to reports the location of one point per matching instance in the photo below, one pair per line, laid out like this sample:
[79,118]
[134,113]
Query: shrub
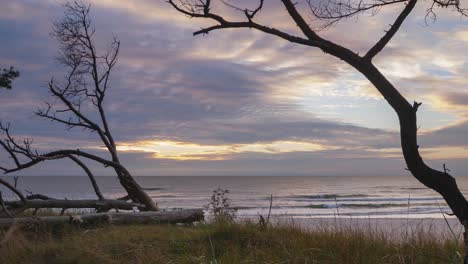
[219,207]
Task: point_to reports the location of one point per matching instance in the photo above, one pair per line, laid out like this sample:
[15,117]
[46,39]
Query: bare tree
[331,12]
[84,87]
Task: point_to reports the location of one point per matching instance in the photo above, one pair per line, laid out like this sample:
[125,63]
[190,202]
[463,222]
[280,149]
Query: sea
[291,197]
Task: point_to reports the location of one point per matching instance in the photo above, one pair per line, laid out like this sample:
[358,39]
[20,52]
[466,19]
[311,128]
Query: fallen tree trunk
[60,203]
[148,217]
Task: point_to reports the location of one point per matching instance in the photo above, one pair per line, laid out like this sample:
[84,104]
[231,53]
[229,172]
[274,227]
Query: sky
[239,102]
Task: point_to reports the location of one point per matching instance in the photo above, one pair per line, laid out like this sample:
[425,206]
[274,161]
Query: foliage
[7,76]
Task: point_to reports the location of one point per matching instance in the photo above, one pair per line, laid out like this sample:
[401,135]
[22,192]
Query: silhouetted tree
[7,76]
[331,12]
[84,87]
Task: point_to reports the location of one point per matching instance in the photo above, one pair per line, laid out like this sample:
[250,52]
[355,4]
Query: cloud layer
[238,102]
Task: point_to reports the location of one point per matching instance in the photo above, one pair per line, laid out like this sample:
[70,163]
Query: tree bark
[171,217]
[441,182]
[465,244]
[59,203]
[134,190]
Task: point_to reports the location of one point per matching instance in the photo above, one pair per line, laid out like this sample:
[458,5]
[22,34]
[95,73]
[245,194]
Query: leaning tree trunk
[134,190]
[441,182]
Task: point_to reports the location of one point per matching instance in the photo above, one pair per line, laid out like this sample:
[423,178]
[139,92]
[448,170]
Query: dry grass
[221,243]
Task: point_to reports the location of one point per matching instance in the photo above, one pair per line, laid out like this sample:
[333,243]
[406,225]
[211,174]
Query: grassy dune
[220,243]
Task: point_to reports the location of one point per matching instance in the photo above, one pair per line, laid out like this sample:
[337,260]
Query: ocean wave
[370,199]
[329,196]
[364,206]
[164,196]
[385,213]
[153,188]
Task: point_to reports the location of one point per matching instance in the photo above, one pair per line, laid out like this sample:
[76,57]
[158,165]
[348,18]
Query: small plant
[219,206]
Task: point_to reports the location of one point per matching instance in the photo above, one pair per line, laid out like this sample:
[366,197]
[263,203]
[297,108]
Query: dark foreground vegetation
[220,243]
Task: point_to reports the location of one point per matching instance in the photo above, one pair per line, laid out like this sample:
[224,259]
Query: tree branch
[69,123]
[391,32]
[203,11]
[60,154]
[13,189]
[333,11]
[300,22]
[90,176]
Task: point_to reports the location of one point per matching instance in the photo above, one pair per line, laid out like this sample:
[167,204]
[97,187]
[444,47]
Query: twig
[16,178]
[13,189]
[446,169]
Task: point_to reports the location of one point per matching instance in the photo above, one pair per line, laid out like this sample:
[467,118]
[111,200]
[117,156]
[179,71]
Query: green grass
[220,243]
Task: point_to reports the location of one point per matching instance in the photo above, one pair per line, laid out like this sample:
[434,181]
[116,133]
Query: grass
[221,243]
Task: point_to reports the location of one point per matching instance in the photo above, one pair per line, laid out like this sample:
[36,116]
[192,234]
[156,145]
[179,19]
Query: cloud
[227,102]
[454,136]
[191,151]
[462,35]
[456,98]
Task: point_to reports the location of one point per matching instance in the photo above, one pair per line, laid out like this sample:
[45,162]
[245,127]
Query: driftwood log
[60,203]
[148,217]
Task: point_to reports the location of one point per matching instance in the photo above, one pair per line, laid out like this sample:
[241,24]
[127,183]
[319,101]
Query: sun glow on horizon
[191,151]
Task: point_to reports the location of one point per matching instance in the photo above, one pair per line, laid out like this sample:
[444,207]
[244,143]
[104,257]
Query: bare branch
[333,11]
[16,178]
[81,117]
[90,176]
[249,14]
[300,22]
[455,4]
[13,189]
[46,114]
[60,154]
[201,9]
[391,32]
[192,11]
[75,36]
